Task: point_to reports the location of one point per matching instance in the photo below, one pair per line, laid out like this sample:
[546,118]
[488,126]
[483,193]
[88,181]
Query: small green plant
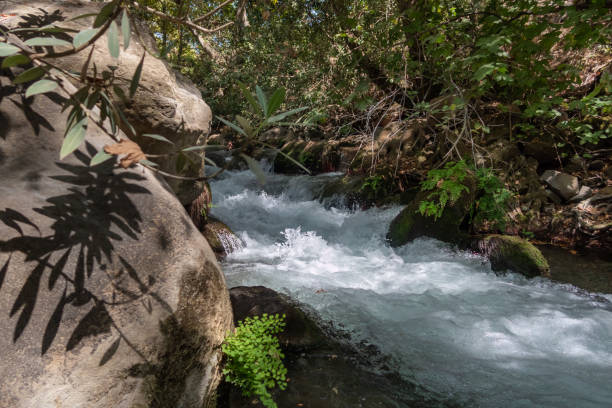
[372,186]
[264,114]
[254,358]
[446,185]
[491,205]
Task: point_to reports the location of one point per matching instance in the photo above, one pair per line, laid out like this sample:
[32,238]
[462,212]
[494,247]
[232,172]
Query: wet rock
[410,224]
[324,371]
[565,185]
[300,333]
[584,193]
[111,296]
[220,237]
[514,253]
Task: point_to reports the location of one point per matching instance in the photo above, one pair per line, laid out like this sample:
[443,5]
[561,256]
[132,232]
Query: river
[449,323]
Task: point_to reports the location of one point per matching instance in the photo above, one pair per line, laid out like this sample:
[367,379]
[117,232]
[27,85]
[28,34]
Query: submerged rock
[220,237]
[511,252]
[410,224]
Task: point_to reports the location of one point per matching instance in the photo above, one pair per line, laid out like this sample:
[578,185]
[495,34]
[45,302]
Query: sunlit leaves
[125,29]
[74,137]
[157,137]
[136,78]
[84,36]
[113,40]
[42,86]
[255,168]
[46,42]
[7,49]
[99,157]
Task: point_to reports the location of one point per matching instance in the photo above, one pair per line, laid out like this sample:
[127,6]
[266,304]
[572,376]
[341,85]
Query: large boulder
[514,253]
[165,102]
[410,224]
[110,296]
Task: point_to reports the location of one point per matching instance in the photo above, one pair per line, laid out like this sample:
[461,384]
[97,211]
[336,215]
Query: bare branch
[219,7]
[181,22]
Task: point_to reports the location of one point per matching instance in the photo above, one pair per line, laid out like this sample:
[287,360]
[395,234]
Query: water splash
[450,323]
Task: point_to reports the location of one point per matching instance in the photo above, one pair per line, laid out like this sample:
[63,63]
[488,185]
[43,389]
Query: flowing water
[449,323]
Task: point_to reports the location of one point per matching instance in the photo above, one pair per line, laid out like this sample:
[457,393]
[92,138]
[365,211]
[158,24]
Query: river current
[448,322]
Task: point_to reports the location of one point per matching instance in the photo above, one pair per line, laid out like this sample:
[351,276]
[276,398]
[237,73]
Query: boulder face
[110,296]
[165,103]
[410,224]
[514,253]
[565,185]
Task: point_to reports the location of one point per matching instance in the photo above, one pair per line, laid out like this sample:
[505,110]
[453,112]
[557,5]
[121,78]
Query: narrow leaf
[233,126]
[157,137]
[136,77]
[283,115]
[84,36]
[246,125]
[42,86]
[104,14]
[247,94]
[255,168]
[29,75]
[261,97]
[46,42]
[276,101]
[83,16]
[113,40]
[14,60]
[74,138]
[148,163]
[7,49]
[205,147]
[125,29]
[100,157]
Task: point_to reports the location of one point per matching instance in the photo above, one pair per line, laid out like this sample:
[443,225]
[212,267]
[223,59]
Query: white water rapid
[449,323]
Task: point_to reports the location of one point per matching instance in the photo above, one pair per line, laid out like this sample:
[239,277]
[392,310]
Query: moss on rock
[410,224]
[515,253]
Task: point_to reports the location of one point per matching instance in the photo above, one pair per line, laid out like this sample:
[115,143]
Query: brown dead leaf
[133,153]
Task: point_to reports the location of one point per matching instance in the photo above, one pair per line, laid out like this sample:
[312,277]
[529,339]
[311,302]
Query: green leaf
[261,97]
[46,42]
[42,86]
[283,115]
[29,75]
[87,15]
[157,137]
[7,49]
[100,157]
[275,101]
[204,147]
[14,60]
[125,29]
[233,126]
[136,77]
[113,40]
[255,168]
[247,94]
[104,14]
[483,71]
[84,36]
[74,138]
[245,124]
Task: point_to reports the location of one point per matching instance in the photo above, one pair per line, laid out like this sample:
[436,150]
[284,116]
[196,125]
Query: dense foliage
[254,359]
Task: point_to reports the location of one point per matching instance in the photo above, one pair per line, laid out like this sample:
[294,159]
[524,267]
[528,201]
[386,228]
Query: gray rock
[165,103]
[565,185]
[111,297]
[584,193]
[553,197]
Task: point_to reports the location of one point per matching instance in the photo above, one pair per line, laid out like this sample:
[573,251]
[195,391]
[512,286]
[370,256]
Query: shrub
[254,359]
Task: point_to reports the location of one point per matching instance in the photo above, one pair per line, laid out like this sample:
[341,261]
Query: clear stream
[449,323]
